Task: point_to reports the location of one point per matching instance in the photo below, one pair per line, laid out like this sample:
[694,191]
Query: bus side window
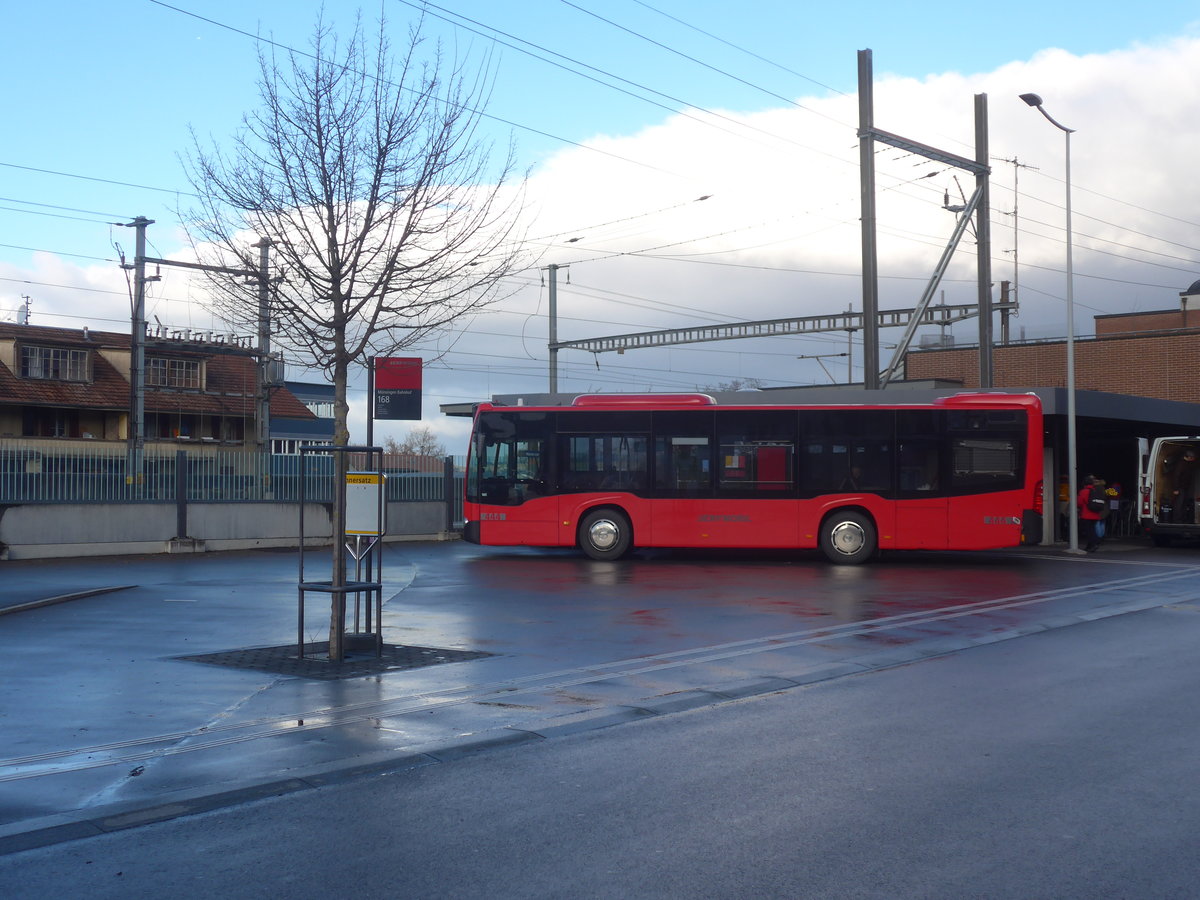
[986,464]
[920,435]
[531,471]
[684,463]
[919,466]
[987,451]
[683,453]
[602,462]
[755,452]
[846,450]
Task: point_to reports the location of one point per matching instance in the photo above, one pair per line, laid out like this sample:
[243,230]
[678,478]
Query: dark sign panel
[398,388]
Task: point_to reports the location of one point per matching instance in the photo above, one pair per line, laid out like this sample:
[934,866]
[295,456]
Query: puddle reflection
[654,588]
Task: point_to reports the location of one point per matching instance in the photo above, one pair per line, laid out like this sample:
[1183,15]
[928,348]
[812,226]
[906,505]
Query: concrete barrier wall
[44,531]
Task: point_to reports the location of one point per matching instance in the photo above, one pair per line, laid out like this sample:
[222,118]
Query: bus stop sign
[398,388]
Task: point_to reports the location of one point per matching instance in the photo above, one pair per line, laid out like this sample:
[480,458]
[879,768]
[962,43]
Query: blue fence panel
[41,472]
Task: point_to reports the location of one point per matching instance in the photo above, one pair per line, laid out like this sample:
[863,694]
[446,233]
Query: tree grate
[315,663]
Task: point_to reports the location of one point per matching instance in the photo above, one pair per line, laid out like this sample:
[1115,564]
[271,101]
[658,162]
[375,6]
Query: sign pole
[370,401]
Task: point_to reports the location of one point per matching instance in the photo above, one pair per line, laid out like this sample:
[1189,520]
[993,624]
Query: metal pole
[849,356]
[300,559]
[448,492]
[1072,476]
[181,498]
[370,401]
[1006,295]
[553,343]
[264,346]
[983,235]
[137,362]
[870,265]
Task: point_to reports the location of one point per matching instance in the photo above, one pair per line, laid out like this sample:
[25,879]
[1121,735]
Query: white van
[1168,481]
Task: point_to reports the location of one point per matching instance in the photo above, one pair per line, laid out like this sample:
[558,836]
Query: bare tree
[367,174]
[420,441]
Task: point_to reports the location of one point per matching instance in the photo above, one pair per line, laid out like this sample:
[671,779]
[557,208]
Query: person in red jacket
[1088,517]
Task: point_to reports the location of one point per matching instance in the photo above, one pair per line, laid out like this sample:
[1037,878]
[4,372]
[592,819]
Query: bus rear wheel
[605,534]
[848,538]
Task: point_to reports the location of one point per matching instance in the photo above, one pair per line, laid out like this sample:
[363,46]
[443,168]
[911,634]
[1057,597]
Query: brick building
[1144,354]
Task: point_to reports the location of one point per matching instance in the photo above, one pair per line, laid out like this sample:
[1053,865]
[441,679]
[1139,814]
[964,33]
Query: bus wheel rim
[848,538]
[603,534]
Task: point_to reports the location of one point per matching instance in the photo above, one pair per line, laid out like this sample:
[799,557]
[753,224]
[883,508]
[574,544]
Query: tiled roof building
[75,383]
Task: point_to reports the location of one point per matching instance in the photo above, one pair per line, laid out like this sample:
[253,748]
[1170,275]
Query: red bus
[613,472]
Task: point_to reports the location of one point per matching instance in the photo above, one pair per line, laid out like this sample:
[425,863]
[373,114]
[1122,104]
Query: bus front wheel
[605,534]
[848,538]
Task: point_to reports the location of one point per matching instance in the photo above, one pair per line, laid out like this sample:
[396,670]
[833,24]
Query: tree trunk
[341,437]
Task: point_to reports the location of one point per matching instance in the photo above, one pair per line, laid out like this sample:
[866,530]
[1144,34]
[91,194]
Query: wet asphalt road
[106,728]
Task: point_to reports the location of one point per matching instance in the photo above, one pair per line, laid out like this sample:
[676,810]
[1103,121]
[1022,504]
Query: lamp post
[1072,478]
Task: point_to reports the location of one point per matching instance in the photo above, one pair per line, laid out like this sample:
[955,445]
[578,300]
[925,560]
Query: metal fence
[31,472]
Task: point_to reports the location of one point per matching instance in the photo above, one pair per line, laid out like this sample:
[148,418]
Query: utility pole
[1014,292]
[1005,301]
[553,343]
[134,472]
[870,261]
[264,347]
[983,241]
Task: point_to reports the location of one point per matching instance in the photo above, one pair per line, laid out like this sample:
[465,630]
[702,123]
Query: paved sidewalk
[106,726]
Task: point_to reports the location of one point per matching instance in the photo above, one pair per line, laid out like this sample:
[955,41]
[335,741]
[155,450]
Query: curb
[62,598]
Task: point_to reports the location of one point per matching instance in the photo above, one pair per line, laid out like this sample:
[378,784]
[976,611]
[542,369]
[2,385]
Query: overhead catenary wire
[738,47]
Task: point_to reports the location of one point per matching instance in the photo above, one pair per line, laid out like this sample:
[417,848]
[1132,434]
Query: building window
[173,425]
[45,422]
[292,447]
[232,429]
[322,409]
[172,373]
[54,363]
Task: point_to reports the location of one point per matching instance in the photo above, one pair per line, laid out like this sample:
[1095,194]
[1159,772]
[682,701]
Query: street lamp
[1072,479]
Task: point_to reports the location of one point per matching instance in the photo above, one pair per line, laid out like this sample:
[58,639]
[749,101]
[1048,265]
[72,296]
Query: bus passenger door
[922,507]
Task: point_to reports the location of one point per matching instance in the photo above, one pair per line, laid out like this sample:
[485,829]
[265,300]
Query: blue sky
[101,100]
